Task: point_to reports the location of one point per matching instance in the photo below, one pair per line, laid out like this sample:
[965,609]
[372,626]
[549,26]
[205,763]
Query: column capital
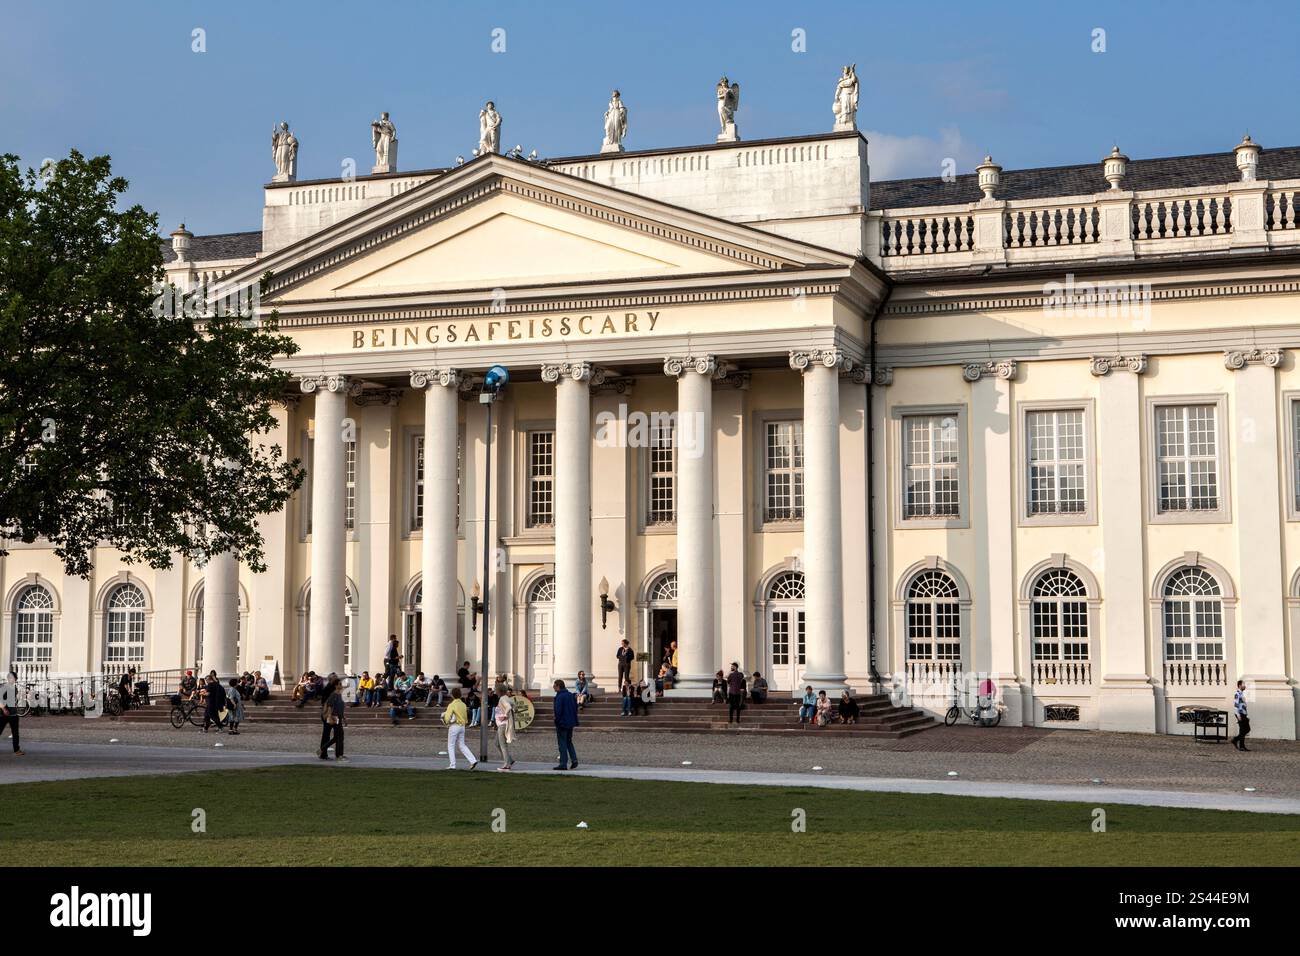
[377,396]
[708,364]
[426,377]
[801,360]
[1237,359]
[577,371]
[1105,364]
[1005,369]
[879,375]
[330,383]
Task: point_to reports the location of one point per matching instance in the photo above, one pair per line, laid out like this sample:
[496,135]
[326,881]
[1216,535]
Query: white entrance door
[541,633]
[785,634]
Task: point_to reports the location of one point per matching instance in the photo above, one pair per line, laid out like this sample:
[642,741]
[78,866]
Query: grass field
[311,815]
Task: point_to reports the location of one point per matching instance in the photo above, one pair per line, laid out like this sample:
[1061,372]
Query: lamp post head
[497,378]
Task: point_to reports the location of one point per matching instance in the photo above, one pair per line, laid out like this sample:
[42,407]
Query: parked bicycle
[987,712]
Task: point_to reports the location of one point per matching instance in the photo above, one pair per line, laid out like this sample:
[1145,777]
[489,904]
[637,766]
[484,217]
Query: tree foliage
[124,424]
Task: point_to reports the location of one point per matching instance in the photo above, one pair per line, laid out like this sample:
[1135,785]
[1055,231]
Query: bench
[1208,723]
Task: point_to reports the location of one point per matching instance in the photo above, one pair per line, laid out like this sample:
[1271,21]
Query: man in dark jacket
[625,658]
[216,704]
[566,718]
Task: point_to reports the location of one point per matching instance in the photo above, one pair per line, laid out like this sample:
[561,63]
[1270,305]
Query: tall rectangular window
[1295,450]
[541,479]
[351,484]
[784,472]
[661,468]
[931,467]
[1056,447]
[417,481]
[1187,458]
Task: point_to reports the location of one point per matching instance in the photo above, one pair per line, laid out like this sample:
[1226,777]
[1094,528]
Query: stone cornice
[1048,302]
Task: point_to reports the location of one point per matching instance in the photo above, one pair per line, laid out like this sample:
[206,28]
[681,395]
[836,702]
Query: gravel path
[1012,755]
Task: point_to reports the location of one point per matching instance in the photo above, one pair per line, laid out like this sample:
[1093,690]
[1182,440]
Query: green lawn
[338,815]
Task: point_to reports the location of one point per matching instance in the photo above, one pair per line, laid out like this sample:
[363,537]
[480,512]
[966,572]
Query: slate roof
[225,245]
[1175,172]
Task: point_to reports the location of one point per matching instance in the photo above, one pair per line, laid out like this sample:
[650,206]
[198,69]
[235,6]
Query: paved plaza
[1019,762]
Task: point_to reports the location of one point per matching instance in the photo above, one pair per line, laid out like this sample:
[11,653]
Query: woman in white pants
[456,716]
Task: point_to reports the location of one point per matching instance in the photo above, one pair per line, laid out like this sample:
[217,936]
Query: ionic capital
[1005,369]
[1105,364]
[879,375]
[446,377]
[801,360]
[330,383]
[574,371]
[710,365]
[1237,359]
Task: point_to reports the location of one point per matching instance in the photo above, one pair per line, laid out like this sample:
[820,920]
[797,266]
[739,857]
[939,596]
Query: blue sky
[191,131]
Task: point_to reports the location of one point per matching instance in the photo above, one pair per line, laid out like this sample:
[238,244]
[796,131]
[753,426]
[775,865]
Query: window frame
[1223,460]
[896,457]
[1291,422]
[1088,516]
[643,477]
[523,431]
[412,436]
[760,421]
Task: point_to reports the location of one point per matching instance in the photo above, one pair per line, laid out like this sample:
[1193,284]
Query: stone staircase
[878,718]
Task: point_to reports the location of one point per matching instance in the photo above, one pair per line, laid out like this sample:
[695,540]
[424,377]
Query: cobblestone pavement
[1001,754]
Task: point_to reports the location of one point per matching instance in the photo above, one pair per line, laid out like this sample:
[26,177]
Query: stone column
[993,521]
[268,630]
[1261,658]
[438,534]
[220,614]
[572,516]
[1127,697]
[823,556]
[611,460]
[328,523]
[696,655]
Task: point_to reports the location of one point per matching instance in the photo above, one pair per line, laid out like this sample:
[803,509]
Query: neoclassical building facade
[1038,425]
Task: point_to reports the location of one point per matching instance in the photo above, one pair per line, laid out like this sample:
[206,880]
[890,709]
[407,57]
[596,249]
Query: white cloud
[905,157]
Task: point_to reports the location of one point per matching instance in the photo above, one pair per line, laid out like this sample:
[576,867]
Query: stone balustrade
[1150,222]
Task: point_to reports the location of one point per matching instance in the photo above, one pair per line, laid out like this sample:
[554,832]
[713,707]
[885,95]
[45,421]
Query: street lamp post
[494,382]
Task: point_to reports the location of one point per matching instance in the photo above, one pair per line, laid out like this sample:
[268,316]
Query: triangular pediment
[504,223]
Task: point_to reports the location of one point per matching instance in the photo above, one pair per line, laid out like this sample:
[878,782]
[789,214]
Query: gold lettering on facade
[514,330]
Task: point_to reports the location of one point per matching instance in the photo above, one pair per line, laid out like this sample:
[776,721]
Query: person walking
[625,657]
[1243,719]
[735,692]
[456,717]
[216,703]
[234,707]
[9,709]
[566,718]
[333,714]
[504,718]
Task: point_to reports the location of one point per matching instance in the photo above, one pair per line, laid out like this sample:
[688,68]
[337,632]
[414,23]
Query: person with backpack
[332,717]
[234,707]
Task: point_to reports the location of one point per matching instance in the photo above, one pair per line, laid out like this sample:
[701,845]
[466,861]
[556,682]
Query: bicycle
[186,710]
[985,713]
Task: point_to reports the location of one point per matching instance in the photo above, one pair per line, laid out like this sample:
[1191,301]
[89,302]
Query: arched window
[1193,616]
[347,629]
[34,626]
[543,592]
[664,589]
[124,625]
[933,618]
[1059,616]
